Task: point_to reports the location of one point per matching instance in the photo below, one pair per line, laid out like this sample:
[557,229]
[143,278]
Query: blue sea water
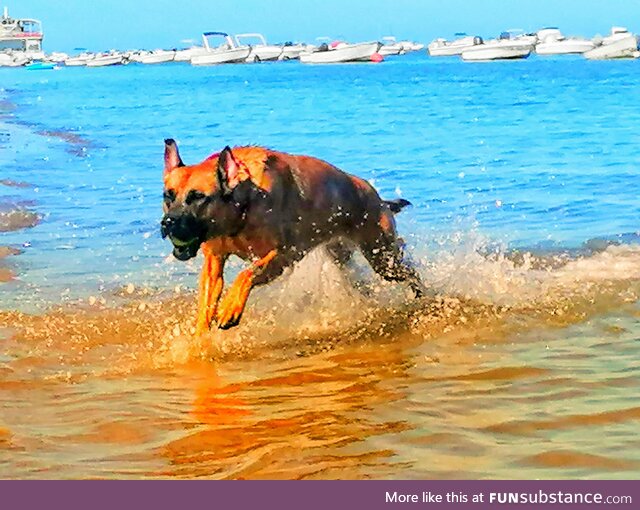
[536,153]
[521,173]
[531,153]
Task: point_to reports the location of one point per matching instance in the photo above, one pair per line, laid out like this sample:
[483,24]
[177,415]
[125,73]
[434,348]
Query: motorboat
[552,42]
[260,52]
[41,66]
[79,60]
[507,47]
[186,54]
[391,46]
[106,59]
[291,51]
[409,46]
[57,57]
[156,57]
[443,48]
[619,44]
[225,53]
[21,35]
[340,52]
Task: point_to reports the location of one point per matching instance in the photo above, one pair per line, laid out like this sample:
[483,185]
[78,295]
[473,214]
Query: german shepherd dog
[272,208]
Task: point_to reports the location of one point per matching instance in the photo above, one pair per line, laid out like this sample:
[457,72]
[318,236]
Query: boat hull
[105,61]
[158,58]
[566,47]
[625,47]
[497,51]
[349,53]
[214,57]
[264,53]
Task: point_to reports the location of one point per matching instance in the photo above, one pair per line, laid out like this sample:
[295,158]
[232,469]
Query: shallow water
[522,364]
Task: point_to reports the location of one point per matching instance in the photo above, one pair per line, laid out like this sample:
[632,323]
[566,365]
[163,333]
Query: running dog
[272,208]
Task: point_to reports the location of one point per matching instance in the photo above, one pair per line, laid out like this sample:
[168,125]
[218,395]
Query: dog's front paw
[230,312]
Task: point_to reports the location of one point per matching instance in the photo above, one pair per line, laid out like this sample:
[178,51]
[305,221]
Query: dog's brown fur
[272,208]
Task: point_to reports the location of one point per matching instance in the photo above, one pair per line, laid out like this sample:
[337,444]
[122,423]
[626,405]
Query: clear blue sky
[127,24]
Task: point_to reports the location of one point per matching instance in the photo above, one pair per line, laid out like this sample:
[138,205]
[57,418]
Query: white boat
[292,51]
[412,46]
[109,59]
[620,44]
[57,57]
[552,42]
[507,47]
[21,35]
[225,53]
[185,55]
[79,60]
[157,57]
[341,52]
[260,52]
[391,47]
[443,48]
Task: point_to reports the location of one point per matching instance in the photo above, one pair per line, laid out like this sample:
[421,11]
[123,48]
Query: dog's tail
[395,206]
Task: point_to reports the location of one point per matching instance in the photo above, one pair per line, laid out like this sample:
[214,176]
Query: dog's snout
[165,226]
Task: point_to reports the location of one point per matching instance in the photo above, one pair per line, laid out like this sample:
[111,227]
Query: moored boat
[109,59]
[552,42]
[260,52]
[341,53]
[391,47]
[157,57]
[620,44]
[21,36]
[226,53]
[508,46]
[443,48]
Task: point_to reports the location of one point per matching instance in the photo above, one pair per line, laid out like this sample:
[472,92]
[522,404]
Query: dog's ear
[230,172]
[172,157]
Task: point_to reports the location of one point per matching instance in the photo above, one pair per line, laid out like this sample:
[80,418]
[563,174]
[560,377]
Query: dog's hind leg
[384,251]
[340,251]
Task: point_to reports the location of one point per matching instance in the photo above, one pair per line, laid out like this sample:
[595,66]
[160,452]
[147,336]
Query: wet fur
[272,208]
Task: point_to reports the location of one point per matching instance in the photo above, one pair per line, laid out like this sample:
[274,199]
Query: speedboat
[106,59]
[552,42]
[226,53]
[507,47]
[262,51]
[79,60]
[620,44]
[443,48]
[291,51]
[157,57]
[186,54]
[411,46]
[341,52]
[41,66]
[391,47]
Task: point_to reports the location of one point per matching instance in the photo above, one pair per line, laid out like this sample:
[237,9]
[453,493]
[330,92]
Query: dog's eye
[194,196]
[169,195]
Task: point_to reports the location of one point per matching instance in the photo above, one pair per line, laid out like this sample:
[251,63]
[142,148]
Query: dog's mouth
[185,250]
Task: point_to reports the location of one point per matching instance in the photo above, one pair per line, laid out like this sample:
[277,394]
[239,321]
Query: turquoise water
[537,153]
[526,221]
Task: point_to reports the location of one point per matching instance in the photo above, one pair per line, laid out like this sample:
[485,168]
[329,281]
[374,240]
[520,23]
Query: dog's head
[202,201]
